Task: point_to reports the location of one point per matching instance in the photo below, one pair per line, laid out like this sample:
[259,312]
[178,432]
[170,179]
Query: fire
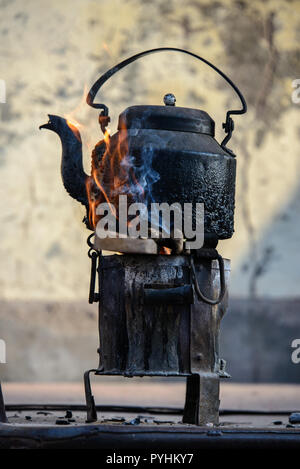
[110,172]
[165,251]
[113,174]
[107,136]
[73,122]
[74,125]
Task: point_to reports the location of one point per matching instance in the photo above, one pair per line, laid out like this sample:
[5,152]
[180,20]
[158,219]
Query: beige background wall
[50,53]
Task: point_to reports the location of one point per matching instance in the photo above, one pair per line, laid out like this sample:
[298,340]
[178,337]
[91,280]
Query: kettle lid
[179,119]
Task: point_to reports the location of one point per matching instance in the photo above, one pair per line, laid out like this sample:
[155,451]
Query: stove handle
[199,293]
[228,125]
[183,294]
[95,255]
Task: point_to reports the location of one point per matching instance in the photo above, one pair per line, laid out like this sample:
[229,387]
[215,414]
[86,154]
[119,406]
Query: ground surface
[242,405]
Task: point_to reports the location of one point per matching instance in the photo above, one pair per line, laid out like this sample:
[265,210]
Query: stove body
[151,323]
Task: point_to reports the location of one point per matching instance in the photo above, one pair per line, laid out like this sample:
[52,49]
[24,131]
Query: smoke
[141,188]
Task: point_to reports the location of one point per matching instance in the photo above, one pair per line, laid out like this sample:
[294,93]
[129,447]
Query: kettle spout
[73,176]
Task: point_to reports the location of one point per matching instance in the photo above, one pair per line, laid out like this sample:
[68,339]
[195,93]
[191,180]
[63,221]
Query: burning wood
[126,245]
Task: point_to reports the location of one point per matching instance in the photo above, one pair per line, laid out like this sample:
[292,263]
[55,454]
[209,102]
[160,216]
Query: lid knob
[169,99]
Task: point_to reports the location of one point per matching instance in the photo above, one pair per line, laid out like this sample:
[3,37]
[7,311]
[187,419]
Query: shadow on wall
[270,262]
[257,333]
[256,338]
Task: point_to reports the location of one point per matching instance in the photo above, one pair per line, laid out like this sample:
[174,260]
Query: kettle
[162,154]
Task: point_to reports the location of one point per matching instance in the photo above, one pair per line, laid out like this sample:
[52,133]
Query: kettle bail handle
[228,125]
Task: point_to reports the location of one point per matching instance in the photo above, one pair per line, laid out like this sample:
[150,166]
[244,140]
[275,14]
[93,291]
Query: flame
[107,136]
[112,165]
[165,251]
[112,169]
[113,174]
[75,125]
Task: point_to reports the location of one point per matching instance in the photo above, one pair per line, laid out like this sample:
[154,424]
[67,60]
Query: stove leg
[3,418]
[192,394]
[90,401]
[209,401]
[202,399]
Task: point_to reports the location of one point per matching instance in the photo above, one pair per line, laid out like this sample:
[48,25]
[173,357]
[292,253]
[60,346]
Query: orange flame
[165,251]
[110,173]
[75,125]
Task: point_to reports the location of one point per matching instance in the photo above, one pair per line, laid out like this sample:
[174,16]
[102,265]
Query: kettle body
[175,147]
[171,153]
[175,158]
